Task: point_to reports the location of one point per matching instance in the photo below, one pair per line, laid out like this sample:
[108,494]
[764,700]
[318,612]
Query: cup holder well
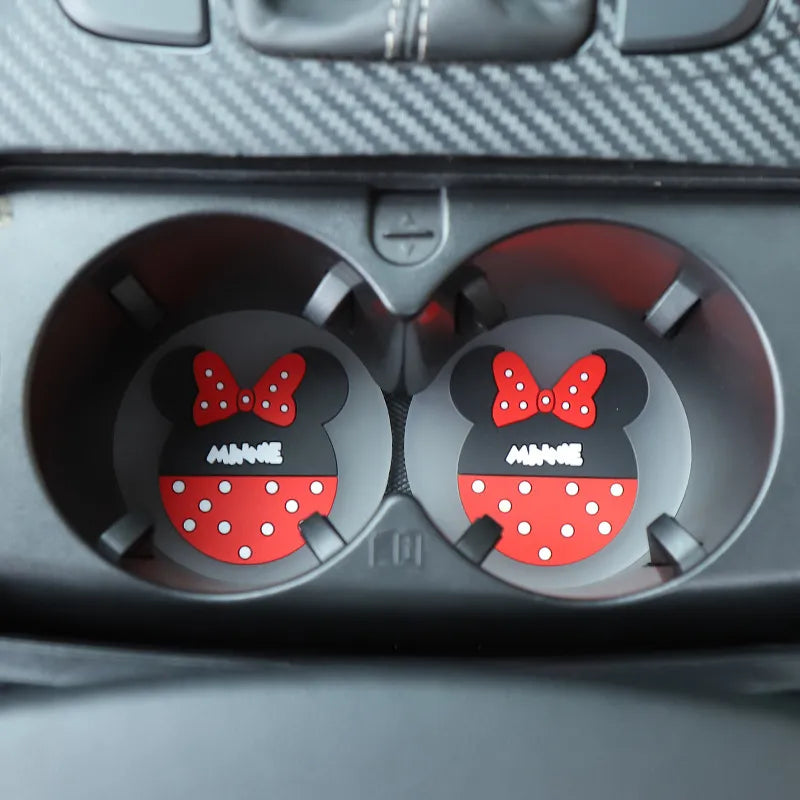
[704,443]
[239,287]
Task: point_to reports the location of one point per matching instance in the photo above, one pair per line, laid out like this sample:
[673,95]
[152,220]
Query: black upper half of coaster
[602,450]
[245,443]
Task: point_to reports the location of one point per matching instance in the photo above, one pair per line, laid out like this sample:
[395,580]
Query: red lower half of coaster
[550,521]
[245,519]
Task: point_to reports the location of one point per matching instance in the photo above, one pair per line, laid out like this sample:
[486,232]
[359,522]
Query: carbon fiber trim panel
[64,90]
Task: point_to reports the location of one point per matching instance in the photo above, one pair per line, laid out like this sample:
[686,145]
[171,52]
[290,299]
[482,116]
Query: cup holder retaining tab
[323,539]
[124,534]
[335,287]
[479,539]
[137,303]
[671,545]
[672,308]
[476,306]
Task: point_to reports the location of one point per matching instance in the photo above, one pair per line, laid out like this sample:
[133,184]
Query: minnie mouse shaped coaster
[564,432]
[241,427]
[554,467]
[243,466]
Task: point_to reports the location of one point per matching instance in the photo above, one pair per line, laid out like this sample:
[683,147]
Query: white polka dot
[592,508]
[224,527]
[245,552]
[604,528]
[573,390]
[284,408]
[292,506]
[178,486]
[204,505]
[524,528]
[316,487]
[504,405]
[545,553]
[567,530]
[224,486]
[271,487]
[571,489]
[478,486]
[265,404]
[545,401]
[584,376]
[189,525]
[565,406]
[273,387]
[223,405]
[204,405]
[209,373]
[524,487]
[616,489]
[267,529]
[504,506]
[509,372]
[284,375]
[245,398]
[220,385]
[584,409]
[523,405]
[520,386]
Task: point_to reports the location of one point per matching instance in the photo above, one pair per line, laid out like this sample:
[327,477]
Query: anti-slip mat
[565,433]
[238,429]
[226,442]
[553,466]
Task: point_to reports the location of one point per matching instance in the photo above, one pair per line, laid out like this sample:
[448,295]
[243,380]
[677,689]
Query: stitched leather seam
[391,35]
[422,29]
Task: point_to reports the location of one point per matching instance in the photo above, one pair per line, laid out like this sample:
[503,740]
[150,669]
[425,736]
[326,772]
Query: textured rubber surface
[398,412]
[67,90]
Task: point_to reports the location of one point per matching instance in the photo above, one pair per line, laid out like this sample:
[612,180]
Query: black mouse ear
[472,385]
[624,391]
[324,388]
[173,386]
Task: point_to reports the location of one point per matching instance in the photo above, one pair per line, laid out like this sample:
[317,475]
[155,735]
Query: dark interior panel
[398,398]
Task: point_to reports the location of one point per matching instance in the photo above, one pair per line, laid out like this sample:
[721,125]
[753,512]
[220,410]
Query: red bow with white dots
[571,399]
[219,396]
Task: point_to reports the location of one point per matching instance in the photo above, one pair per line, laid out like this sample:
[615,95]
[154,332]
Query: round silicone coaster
[240,428]
[564,432]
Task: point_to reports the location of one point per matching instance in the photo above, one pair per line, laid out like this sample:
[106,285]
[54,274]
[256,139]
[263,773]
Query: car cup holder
[194,402]
[607,416]
[594,410]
